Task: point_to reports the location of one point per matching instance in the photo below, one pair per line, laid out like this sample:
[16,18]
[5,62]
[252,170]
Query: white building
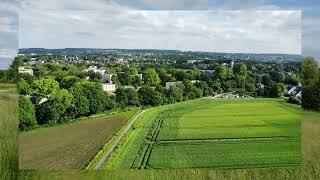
[294,90]
[25,71]
[120,61]
[169,84]
[299,95]
[95,69]
[109,87]
[207,72]
[194,81]
[108,78]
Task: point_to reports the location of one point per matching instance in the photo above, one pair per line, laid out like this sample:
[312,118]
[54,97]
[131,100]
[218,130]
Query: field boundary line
[114,145]
[232,139]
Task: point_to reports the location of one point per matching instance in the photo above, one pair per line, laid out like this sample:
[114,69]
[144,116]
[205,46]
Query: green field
[309,169]
[69,146]
[211,133]
[8,131]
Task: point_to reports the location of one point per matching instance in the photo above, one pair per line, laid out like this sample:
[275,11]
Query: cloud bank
[311,13]
[223,31]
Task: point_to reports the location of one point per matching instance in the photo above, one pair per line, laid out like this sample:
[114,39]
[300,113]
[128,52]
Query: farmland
[215,134]
[69,146]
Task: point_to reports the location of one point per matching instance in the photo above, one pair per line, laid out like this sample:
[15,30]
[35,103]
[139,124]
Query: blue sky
[11,9]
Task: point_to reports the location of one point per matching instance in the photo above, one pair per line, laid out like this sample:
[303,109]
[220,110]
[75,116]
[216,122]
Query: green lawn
[212,133]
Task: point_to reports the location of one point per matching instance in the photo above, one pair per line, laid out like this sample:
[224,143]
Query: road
[114,145]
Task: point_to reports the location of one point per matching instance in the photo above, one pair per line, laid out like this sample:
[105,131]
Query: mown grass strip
[107,146]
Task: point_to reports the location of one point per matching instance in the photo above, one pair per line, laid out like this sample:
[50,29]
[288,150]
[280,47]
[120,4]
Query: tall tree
[240,69]
[53,110]
[23,87]
[277,76]
[44,86]
[310,84]
[151,77]
[69,81]
[148,96]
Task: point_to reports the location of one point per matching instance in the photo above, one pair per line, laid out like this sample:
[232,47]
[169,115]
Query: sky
[202,30]
[48,12]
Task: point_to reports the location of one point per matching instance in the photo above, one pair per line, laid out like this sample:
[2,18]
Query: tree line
[68,95]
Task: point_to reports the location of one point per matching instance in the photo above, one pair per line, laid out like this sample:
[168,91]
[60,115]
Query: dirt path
[114,145]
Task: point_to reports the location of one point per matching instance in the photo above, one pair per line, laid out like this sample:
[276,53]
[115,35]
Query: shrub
[27,118]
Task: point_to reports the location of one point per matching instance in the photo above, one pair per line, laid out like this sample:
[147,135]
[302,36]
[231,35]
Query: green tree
[121,97]
[240,69]
[151,77]
[292,79]
[277,76]
[44,86]
[40,71]
[59,75]
[132,96]
[96,96]
[277,90]
[191,91]
[23,87]
[132,70]
[80,103]
[310,74]
[175,93]
[69,81]
[13,71]
[204,87]
[28,77]
[94,77]
[148,96]
[221,72]
[27,118]
[266,80]
[53,110]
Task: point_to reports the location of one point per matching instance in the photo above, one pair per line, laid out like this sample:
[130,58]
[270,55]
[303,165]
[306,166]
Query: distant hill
[85,51]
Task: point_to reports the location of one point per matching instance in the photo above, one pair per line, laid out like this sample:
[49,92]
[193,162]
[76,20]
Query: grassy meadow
[211,133]
[69,146]
[8,132]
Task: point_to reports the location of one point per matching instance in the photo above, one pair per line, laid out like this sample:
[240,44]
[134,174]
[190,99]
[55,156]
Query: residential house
[109,87]
[25,71]
[95,69]
[169,84]
[294,91]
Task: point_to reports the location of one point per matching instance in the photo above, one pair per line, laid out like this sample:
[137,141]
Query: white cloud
[8,53]
[8,32]
[236,31]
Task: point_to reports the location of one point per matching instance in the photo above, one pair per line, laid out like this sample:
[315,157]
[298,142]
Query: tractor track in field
[151,141]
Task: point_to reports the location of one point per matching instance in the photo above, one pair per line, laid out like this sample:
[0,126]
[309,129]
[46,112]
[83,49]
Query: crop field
[69,146]
[212,133]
